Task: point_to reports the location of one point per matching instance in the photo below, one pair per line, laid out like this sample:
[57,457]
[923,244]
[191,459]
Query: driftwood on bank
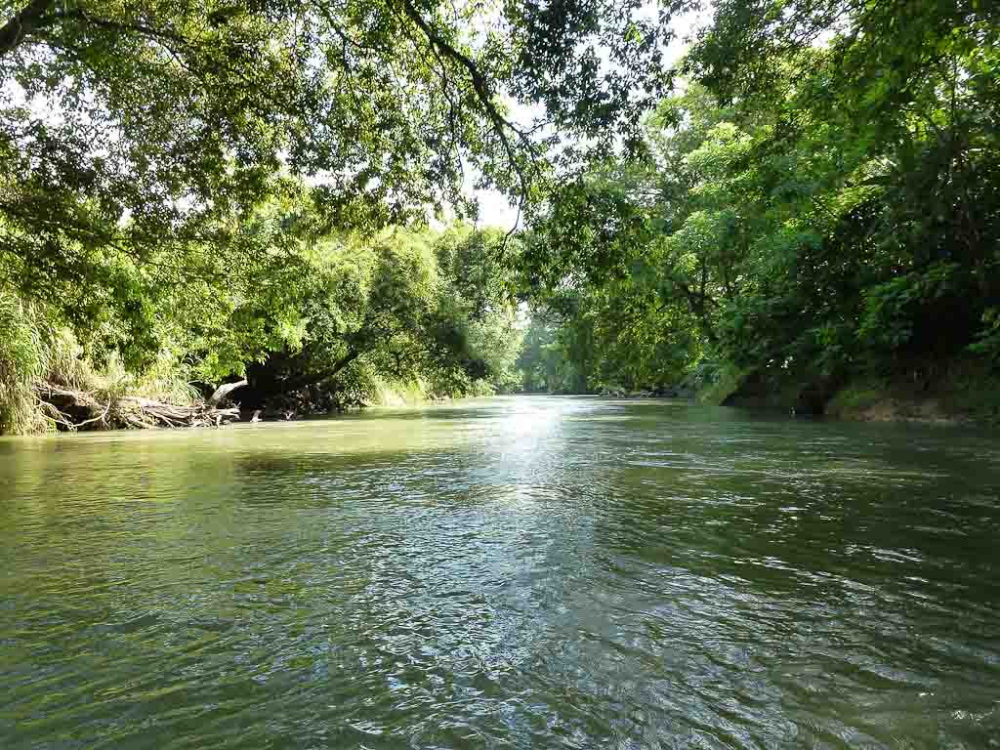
[73,410]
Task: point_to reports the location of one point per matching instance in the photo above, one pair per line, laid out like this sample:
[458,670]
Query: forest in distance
[211,209]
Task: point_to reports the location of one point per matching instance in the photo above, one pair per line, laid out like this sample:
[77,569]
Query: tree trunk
[278,377]
[224,390]
[27,20]
[304,381]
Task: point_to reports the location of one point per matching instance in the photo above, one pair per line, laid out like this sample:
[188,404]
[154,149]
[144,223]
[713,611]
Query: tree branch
[314,378]
[27,20]
[481,87]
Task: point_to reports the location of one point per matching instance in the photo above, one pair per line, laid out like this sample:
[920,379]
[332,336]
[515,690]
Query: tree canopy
[214,179]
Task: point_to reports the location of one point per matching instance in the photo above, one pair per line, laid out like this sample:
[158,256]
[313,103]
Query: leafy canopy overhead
[169,112]
[139,140]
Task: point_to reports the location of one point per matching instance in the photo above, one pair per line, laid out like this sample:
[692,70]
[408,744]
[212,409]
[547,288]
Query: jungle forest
[213,209]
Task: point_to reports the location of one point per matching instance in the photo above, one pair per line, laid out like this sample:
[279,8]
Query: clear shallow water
[516,573]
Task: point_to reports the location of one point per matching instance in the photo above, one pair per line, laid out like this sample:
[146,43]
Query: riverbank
[65,409]
[959,391]
[70,410]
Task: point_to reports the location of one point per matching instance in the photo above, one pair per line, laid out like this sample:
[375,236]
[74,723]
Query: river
[526,572]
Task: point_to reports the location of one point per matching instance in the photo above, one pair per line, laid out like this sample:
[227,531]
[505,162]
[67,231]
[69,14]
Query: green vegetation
[328,323]
[821,204]
[217,190]
[965,390]
[202,194]
[22,351]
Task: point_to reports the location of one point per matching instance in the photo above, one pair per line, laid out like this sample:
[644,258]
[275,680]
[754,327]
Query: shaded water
[518,573]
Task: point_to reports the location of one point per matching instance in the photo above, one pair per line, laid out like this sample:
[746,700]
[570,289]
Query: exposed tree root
[75,410]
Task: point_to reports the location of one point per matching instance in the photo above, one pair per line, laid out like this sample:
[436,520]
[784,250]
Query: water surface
[516,573]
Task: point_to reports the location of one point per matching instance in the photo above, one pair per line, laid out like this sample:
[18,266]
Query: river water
[526,572]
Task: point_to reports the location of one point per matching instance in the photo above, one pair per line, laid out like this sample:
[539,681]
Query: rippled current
[521,572]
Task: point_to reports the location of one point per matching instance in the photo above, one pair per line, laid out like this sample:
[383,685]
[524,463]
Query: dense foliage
[322,322]
[141,133]
[823,200]
[204,192]
[153,158]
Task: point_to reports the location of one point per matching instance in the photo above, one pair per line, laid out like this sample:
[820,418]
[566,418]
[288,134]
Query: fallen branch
[71,410]
[101,418]
[51,413]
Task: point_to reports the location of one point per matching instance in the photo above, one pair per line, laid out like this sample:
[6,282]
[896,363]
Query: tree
[132,134]
[815,211]
[342,309]
[906,95]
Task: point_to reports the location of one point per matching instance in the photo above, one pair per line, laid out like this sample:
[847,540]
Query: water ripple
[518,573]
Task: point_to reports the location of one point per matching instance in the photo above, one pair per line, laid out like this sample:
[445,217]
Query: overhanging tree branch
[29,19]
[313,378]
[481,86]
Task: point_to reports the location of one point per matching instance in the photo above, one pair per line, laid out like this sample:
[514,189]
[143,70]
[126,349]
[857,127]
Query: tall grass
[384,392]
[23,361]
[34,349]
[165,381]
